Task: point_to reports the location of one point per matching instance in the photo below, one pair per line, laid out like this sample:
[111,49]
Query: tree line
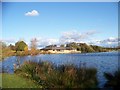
[85,48]
[21,48]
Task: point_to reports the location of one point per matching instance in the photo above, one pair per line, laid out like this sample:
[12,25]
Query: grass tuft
[63,76]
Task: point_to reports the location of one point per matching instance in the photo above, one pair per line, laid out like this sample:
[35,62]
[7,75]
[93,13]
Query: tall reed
[63,76]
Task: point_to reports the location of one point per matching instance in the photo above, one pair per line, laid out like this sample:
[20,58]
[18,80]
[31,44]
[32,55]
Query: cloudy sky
[60,23]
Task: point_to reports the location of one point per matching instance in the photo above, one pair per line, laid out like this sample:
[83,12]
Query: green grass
[15,81]
[0,80]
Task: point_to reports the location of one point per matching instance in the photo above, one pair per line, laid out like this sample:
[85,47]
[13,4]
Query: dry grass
[64,76]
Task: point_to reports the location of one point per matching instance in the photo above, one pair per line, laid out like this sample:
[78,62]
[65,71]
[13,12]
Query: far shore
[2,58]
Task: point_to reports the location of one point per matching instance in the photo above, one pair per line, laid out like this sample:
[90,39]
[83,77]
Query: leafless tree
[34,43]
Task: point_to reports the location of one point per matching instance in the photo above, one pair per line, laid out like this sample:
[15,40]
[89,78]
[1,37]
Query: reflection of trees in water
[0,67]
[18,61]
[5,69]
[17,64]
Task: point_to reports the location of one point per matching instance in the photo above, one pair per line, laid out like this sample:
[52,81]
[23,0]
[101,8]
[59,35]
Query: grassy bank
[6,53]
[64,76]
[15,81]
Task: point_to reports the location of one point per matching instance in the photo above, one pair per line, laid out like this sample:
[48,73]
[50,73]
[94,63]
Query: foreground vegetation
[44,74]
[65,76]
[15,81]
[113,80]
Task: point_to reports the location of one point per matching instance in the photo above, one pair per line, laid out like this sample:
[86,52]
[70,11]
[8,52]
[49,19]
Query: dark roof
[57,48]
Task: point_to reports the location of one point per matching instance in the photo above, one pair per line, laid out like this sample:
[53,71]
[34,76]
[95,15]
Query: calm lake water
[104,62]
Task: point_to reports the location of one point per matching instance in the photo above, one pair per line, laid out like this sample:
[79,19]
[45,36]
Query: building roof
[57,48]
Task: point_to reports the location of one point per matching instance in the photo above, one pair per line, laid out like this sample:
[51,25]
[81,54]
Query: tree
[34,44]
[62,45]
[3,45]
[86,48]
[12,47]
[26,48]
[20,46]
[74,45]
[51,46]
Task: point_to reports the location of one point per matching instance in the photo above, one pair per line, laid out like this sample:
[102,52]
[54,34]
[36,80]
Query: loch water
[103,62]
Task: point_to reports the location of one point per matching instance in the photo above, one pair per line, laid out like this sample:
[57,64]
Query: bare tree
[34,43]
[33,46]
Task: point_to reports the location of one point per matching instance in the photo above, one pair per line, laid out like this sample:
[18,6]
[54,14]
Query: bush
[6,52]
[22,53]
[20,46]
[34,52]
[113,81]
[64,76]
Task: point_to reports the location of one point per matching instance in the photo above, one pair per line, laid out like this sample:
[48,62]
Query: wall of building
[64,51]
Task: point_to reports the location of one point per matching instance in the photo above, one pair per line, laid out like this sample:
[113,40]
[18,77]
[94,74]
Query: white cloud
[8,41]
[42,42]
[13,41]
[68,37]
[32,13]
[87,37]
[110,42]
[74,36]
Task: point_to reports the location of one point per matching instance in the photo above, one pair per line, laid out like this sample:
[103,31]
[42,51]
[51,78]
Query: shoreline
[2,59]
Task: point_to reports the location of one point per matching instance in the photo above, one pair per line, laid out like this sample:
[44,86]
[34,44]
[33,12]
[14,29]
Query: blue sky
[60,0]
[52,21]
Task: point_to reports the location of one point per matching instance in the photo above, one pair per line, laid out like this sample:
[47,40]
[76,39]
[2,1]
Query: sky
[60,0]
[60,23]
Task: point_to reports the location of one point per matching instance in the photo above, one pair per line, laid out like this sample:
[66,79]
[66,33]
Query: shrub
[63,76]
[113,81]
[20,46]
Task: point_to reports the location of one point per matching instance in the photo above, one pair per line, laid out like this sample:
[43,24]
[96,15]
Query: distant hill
[84,48]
